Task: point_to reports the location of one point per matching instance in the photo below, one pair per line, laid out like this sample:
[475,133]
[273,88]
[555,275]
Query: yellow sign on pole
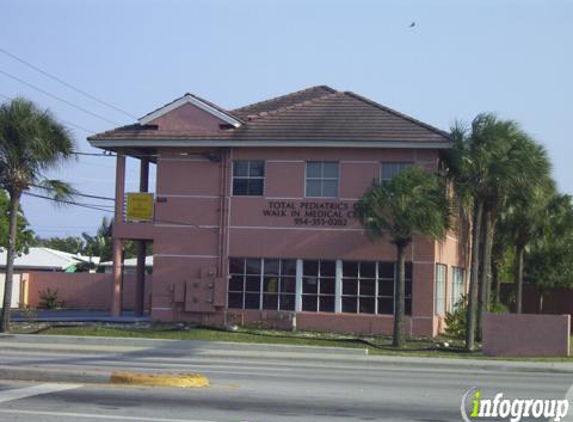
[139,206]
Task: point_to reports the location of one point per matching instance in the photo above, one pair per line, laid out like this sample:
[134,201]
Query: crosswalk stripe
[35,390]
[77,416]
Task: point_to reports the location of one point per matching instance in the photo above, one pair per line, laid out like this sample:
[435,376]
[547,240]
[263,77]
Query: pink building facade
[254,214]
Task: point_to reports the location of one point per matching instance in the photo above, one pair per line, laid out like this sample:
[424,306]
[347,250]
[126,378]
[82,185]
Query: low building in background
[253,215]
[129,266]
[47,259]
[41,259]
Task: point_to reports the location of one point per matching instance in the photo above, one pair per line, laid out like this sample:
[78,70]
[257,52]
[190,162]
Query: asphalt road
[260,388]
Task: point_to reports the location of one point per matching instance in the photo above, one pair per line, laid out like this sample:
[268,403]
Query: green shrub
[49,299]
[28,313]
[498,308]
[456,321]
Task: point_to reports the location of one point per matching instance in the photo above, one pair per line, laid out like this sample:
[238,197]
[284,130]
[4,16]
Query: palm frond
[413,202]
[58,190]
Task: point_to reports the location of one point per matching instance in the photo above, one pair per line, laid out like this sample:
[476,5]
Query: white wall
[15,290]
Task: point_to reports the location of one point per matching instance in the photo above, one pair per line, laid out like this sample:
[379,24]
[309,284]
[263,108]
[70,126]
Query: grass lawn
[423,347]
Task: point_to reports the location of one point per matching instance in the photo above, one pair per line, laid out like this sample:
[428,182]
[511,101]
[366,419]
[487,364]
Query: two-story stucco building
[254,216]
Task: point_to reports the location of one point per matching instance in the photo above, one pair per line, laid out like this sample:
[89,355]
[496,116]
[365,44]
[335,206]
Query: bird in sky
[413,24]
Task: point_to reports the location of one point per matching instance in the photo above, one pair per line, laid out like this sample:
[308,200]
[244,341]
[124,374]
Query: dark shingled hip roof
[318,113]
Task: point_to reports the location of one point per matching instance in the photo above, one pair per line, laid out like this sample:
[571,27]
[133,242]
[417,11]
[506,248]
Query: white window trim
[306,178]
[444,289]
[264,177]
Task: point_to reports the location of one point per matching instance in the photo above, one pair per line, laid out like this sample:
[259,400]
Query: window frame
[440,299]
[403,165]
[262,275]
[248,177]
[247,287]
[320,278]
[378,277]
[322,179]
[457,287]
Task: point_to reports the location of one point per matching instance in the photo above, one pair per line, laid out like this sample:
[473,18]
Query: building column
[117,243]
[338,288]
[298,296]
[141,246]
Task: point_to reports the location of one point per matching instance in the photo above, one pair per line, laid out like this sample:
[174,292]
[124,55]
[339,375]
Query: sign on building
[139,206]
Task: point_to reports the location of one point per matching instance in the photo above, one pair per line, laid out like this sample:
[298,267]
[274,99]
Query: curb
[177,380]
[160,380]
[54,375]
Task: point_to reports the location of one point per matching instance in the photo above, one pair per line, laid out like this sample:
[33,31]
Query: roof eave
[342,143]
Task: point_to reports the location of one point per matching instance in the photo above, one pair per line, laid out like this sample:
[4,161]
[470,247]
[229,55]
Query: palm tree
[413,202]
[100,244]
[32,142]
[491,160]
[523,220]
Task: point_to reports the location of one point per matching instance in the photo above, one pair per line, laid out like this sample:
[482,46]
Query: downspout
[223,224]
[223,213]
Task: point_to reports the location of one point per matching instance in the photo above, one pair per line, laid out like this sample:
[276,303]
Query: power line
[97,208]
[85,195]
[88,206]
[63,121]
[43,72]
[43,91]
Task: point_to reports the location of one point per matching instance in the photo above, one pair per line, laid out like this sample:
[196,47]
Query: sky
[511,57]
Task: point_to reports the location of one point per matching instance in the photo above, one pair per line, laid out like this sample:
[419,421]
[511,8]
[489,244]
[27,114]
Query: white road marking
[35,390]
[569,396]
[94,416]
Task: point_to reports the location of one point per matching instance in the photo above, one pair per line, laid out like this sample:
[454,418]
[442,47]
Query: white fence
[16,290]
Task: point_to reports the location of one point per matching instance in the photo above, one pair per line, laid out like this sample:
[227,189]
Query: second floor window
[389,170]
[322,179]
[248,178]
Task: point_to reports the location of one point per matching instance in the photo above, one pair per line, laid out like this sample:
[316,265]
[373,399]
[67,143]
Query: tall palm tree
[32,142]
[491,159]
[467,164]
[523,220]
[413,202]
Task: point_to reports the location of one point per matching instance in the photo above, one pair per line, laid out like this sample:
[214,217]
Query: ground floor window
[440,293]
[457,287]
[368,287]
[318,286]
[357,287]
[262,284]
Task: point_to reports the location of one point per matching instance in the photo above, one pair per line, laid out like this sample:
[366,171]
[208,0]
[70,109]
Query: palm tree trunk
[10,254]
[473,287]
[495,281]
[399,294]
[485,275]
[519,249]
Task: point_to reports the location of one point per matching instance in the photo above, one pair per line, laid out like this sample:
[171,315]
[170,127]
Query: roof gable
[196,102]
